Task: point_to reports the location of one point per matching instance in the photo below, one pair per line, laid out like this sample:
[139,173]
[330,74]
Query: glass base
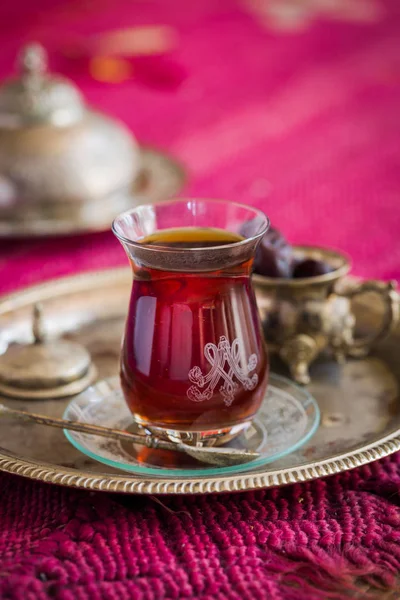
[211,437]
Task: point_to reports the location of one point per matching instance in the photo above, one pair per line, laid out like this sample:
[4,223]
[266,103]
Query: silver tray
[160,178]
[359,400]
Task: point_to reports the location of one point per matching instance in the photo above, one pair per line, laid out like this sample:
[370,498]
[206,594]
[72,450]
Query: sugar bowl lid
[45,369]
[35,96]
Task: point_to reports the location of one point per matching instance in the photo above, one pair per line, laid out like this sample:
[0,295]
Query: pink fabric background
[305,125]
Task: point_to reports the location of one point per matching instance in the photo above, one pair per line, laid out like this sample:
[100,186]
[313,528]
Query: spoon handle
[116,434]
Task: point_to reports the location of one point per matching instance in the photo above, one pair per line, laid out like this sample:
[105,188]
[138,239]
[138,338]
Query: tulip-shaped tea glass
[193,363]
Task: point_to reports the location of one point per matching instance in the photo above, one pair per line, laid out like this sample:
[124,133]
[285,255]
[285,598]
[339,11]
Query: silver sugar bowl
[60,162]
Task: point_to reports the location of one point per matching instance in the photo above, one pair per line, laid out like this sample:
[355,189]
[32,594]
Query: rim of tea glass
[155,248]
[340,271]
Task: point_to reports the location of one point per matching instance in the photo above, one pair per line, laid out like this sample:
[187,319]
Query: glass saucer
[286,420]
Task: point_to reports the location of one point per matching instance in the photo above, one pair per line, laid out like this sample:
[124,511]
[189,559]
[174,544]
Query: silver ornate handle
[391,300]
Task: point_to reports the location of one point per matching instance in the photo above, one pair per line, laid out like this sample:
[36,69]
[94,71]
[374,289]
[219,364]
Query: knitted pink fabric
[305,124]
[331,538]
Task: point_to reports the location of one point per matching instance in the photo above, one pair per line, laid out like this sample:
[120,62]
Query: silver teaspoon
[221,457]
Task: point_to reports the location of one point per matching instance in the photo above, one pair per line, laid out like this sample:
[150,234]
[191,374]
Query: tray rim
[134,484]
